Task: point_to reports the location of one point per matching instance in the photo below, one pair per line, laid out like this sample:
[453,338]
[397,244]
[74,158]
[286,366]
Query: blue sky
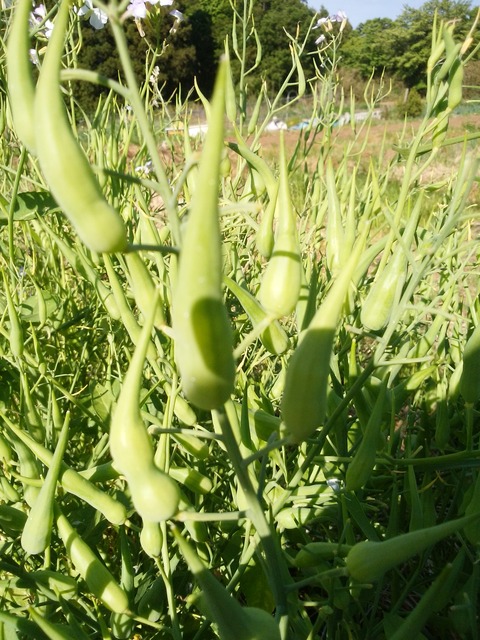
[361,10]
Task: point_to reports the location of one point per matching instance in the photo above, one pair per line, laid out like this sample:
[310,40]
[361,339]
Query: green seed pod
[151,539]
[192,479]
[21,88]
[337,249]
[183,411]
[367,561]
[38,527]
[143,287]
[386,289]
[252,123]
[12,520]
[5,450]
[63,162]
[16,332]
[264,239]
[155,495]
[360,468]
[200,322]
[230,98]
[304,399]
[58,583]
[455,86]
[470,376]
[71,480]
[98,578]
[315,553]
[273,338]
[280,287]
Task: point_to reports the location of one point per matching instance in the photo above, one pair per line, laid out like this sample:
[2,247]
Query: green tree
[368,48]
[173,52]
[412,35]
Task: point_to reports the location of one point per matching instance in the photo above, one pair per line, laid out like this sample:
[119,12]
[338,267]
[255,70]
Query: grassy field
[240,384]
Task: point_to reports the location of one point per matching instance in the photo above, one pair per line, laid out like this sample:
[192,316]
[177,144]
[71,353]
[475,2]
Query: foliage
[340,500]
[402,46]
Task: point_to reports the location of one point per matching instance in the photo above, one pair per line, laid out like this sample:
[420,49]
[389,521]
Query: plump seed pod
[455,85]
[315,553]
[234,621]
[201,326]
[304,399]
[21,88]
[367,561]
[253,121]
[386,289]
[38,528]
[63,162]
[29,450]
[273,338]
[98,578]
[12,520]
[143,286]
[155,495]
[280,287]
[470,376]
[151,538]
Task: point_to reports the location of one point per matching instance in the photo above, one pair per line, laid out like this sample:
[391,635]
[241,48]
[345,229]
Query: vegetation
[242,401]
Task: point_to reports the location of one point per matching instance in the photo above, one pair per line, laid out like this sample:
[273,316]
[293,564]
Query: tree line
[188,53]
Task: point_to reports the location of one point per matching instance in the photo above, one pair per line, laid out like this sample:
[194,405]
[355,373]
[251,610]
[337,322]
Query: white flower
[320,39]
[320,22]
[34,57]
[145,168]
[138,8]
[97,18]
[340,16]
[38,20]
[178,15]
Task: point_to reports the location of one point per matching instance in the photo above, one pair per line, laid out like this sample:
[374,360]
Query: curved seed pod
[280,287]
[360,468]
[315,553]
[252,123]
[143,287]
[155,495]
[455,85]
[367,561]
[71,480]
[200,322]
[273,338]
[304,399]
[16,332]
[98,578]
[21,88]
[38,527]
[386,289]
[63,162]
